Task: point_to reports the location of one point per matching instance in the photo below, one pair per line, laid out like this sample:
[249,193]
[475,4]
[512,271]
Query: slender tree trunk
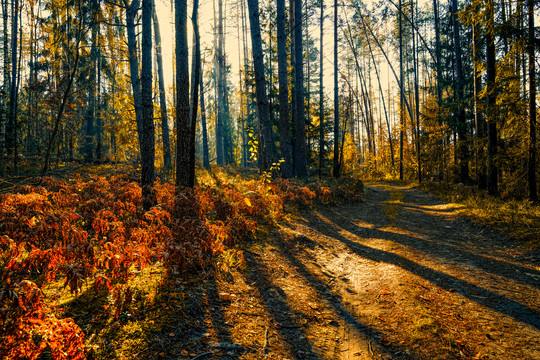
[463,151]
[4,91]
[65,98]
[131,13]
[336,170]
[194,103]
[402,97]
[206,157]
[267,144]
[440,143]
[162,101]
[12,122]
[147,111]
[220,146]
[91,110]
[285,128]
[480,123]
[492,180]
[416,93]
[533,191]
[300,120]
[321,94]
[183,128]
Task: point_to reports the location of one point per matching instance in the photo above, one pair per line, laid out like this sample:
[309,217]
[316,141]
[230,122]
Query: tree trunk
[267,145]
[284,125]
[131,13]
[416,93]
[533,194]
[220,146]
[206,158]
[147,136]
[300,121]
[336,170]
[162,101]
[194,103]
[492,180]
[12,121]
[183,127]
[402,97]
[321,94]
[463,151]
[91,106]
[480,123]
[4,91]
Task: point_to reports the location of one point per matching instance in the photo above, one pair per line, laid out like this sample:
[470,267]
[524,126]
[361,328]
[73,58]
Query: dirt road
[400,276]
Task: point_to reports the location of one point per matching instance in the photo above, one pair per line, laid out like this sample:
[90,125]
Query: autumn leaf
[248,203]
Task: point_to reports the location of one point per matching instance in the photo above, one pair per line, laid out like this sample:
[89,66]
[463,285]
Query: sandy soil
[400,276]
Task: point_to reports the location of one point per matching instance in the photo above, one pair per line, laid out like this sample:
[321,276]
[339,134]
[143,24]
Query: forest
[165,165]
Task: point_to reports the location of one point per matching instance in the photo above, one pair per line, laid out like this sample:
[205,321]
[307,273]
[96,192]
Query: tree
[463,153]
[300,122]
[284,126]
[321,93]
[183,121]
[533,194]
[132,9]
[266,142]
[162,100]
[492,179]
[336,170]
[147,111]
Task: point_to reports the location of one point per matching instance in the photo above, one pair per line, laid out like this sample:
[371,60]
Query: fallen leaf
[385,341]
[171,334]
[313,306]
[184,353]
[277,325]
[384,292]
[248,203]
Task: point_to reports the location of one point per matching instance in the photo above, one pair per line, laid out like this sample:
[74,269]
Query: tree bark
[267,145]
[284,125]
[220,146]
[147,111]
[479,120]
[206,158]
[463,151]
[12,120]
[131,13]
[162,100]
[300,121]
[183,127]
[533,191]
[492,179]
[336,169]
[321,94]
[194,103]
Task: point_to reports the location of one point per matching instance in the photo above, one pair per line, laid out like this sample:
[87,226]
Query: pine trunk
[162,100]
[147,111]
[267,145]
[284,125]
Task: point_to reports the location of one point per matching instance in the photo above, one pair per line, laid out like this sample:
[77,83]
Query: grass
[518,219]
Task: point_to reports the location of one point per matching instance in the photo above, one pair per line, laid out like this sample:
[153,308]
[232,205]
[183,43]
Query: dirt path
[400,276]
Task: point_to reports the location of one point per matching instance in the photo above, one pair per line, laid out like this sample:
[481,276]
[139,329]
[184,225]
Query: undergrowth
[519,219]
[84,271]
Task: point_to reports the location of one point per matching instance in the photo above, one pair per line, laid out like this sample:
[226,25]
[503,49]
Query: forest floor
[400,276]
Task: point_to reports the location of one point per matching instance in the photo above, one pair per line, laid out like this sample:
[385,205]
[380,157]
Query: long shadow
[276,305]
[450,251]
[475,293]
[336,302]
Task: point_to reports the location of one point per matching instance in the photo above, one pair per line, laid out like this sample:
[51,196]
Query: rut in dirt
[400,276]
